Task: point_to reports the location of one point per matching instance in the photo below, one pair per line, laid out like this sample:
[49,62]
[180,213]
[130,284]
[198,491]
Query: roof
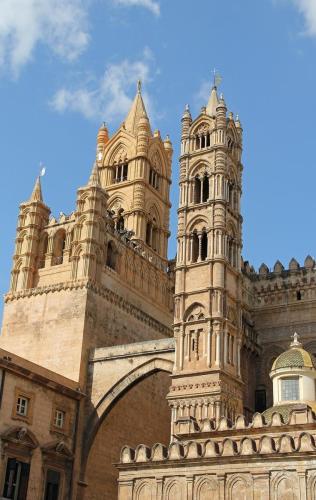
[295,357]
[136,112]
[284,410]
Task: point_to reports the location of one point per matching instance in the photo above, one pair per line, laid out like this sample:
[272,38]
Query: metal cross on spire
[216,78]
[42,169]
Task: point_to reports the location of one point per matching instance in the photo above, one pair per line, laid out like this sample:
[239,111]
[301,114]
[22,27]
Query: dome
[295,357]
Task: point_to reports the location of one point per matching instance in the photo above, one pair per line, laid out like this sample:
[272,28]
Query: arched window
[197,190]
[195,247]
[148,233]
[204,246]
[153,178]
[152,234]
[42,251]
[205,188]
[58,247]
[111,256]
[121,172]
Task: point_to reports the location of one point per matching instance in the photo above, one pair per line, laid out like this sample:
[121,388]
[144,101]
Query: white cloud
[108,98]
[151,5]
[59,24]
[308,9]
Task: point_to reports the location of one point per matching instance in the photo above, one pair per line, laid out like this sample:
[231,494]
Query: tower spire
[94,179]
[37,191]
[136,112]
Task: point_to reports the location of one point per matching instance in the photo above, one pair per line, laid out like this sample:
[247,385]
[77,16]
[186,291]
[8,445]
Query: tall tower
[135,169]
[206,381]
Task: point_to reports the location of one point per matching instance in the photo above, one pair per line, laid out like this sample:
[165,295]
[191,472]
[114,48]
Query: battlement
[278,271]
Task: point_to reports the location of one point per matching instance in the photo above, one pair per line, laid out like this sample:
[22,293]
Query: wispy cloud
[108,97]
[308,9]
[151,5]
[59,24]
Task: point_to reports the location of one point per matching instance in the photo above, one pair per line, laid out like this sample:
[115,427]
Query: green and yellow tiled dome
[295,357]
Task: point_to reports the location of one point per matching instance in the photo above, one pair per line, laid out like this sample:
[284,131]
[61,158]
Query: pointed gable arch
[121,147]
[157,158]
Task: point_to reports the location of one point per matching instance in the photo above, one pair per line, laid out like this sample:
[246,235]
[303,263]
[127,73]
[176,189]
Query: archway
[135,410]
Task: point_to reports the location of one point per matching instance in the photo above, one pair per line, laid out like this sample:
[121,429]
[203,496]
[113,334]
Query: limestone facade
[93,298]
[39,413]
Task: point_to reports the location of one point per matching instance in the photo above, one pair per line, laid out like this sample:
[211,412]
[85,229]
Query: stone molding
[102,291]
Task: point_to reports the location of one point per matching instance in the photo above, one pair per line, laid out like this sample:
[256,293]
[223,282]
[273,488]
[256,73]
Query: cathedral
[125,375]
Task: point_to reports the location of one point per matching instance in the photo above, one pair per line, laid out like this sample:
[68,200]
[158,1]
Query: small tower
[89,229]
[206,382]
[136,171]
[33,216]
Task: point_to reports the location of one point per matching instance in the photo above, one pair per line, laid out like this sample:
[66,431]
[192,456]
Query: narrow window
[290,389]
[22,406]
[52,485]
[16,479]
[204,246]
[193,345]
[203,141]
[260,400]
[197,190]
[197,142]
[111,256]
[59,419]
[148,233]
[298,295]
[208,140]
[195,247]
[205,193]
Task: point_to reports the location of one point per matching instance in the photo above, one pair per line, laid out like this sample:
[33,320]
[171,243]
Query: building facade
[94,299]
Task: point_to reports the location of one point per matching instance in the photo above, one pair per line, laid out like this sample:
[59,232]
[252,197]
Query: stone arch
[107,402]
[118,151]
[239,487]
[198,223]
[157,160]
[284,486]
[311,487]
[174,490]
[206,488]
[195,310]
[143,490]
[201,167]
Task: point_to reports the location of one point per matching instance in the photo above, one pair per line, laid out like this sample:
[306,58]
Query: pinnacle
[212,102]
[37,191]
[136,112]
[94,179]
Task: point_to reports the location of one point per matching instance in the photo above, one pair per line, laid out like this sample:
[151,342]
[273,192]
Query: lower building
[272,457]
[38,430]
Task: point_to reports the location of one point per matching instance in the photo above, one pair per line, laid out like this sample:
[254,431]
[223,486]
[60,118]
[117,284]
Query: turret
[33,216]
[88,250]
[102,140]
[143,135]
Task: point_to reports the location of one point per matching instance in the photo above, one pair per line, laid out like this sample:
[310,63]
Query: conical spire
[212,102]
[94,179]
[136,112]
[37,191]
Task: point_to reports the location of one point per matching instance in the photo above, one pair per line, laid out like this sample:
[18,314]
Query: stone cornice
[101,290]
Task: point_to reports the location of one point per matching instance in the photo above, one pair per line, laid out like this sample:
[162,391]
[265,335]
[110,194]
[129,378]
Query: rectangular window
[16,480]
[22,406]
[59,419]
[290,389]
[52,486]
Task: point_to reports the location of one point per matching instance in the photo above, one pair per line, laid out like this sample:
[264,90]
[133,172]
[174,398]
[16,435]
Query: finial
[221,96]
[216,78]
[237,118]
[187,108]
[139,86]
[295,342]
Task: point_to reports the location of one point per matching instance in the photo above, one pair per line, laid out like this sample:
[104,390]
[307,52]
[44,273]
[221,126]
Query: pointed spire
[136,112]
[37,191]
[212,102]
[94,179]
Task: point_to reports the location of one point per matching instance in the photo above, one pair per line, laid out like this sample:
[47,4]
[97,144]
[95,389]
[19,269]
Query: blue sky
[66,65]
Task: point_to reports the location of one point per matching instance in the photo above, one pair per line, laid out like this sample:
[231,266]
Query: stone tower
[135,169]
[98,276]
[206,381]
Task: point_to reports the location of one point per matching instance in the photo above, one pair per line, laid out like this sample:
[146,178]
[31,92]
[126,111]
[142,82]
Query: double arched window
[59,244]
[201,188]
[121,172]
[198,246]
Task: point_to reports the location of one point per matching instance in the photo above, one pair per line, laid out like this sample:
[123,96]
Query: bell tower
[206,382]
[135,169]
